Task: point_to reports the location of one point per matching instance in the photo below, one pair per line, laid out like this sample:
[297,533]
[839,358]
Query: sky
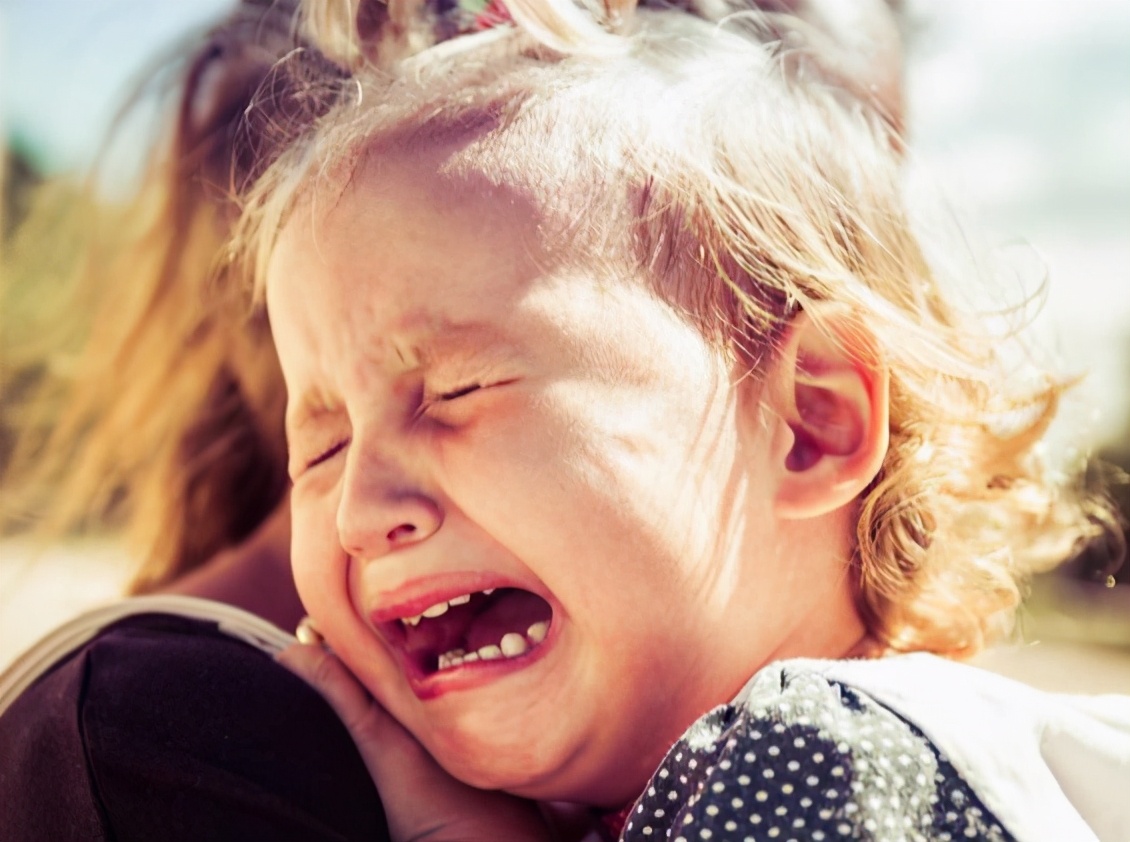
[1019,110]
[65,65]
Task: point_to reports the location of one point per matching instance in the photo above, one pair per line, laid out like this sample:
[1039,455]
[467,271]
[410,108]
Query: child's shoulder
[910,747]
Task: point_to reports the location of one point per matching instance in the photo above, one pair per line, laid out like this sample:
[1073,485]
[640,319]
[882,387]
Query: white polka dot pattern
[802,759]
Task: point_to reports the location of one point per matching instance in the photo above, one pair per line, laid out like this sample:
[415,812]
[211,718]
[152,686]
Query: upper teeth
[440,608]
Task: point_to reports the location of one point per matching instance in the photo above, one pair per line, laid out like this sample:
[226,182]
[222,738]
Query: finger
[420,798]
[395,761]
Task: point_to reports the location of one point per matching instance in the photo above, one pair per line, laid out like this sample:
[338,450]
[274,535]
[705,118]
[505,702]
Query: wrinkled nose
[380,512]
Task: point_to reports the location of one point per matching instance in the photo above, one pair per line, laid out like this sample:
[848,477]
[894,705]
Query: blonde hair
[141,392]
[731,159]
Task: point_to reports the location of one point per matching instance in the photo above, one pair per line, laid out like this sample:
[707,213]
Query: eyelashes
[463,391]
[428,403]
[458,393]
[327,454]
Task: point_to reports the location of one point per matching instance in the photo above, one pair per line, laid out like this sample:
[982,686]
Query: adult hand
[421,800]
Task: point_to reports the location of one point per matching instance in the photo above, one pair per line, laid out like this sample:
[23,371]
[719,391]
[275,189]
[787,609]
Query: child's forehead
[429,243]
[408,217]
[456,194]
[432,193]
[479,159]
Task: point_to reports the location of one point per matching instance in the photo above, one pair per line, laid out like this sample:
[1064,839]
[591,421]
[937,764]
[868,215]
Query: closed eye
[458,393]
[327,454]
[435,402]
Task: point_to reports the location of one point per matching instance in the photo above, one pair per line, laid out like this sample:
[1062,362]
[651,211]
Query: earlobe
[831,390]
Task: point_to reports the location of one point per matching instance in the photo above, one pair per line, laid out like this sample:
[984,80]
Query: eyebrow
[430,339]
[433,338]
[306,412]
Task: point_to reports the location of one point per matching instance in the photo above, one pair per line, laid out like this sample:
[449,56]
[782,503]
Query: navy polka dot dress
[804,758]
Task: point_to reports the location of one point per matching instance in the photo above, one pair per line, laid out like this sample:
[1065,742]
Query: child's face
[470,414]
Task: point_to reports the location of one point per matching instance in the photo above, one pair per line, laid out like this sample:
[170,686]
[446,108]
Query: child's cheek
[316,556]
[502,450]
[493,433]
[548,458]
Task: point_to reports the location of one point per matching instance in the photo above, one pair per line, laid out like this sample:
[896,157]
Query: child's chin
[501,765]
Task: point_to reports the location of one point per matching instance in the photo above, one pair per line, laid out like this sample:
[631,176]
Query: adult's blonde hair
[731,153]
[140,392]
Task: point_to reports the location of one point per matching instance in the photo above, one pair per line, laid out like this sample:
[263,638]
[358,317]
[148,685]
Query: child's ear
[830,389]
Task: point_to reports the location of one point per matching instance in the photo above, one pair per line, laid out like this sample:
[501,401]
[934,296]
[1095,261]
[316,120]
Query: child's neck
[831,629]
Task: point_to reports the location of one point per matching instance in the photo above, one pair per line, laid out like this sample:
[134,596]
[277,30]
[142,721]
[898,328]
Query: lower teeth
[511,646]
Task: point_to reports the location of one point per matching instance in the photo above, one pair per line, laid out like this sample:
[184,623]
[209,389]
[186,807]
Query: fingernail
[308,634]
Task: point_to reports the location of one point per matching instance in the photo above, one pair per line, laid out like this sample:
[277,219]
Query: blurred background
[1019,115]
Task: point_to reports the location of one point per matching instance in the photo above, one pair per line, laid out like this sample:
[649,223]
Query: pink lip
[416,597]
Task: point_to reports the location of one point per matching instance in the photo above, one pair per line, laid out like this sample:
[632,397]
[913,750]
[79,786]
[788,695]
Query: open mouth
[490,625]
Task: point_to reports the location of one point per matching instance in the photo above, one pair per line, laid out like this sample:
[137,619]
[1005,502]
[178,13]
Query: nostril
[401,533]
